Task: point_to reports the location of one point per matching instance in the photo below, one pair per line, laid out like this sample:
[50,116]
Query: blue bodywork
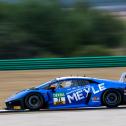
[86,92]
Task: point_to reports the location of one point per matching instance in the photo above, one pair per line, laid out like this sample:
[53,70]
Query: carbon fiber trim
[10,105]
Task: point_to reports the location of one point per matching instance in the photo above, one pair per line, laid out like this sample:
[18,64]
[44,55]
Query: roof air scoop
[123,77]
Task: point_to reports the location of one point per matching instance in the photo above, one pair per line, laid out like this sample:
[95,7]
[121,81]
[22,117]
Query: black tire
[111,98]
[34,101]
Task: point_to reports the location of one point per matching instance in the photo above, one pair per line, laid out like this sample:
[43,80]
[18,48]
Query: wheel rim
[34,102]
[111,99]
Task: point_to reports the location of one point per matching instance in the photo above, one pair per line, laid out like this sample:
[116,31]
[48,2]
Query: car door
[77,95]
[70,93]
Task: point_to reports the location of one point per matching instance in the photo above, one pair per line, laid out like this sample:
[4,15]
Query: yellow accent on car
[17,107]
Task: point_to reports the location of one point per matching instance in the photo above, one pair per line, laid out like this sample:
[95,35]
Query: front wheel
[34,101]
[111,98]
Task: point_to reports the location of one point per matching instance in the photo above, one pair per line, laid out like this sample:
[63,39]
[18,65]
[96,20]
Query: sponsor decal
[82,93]
[59,98]
[124,92]
[75,96]
[95,99]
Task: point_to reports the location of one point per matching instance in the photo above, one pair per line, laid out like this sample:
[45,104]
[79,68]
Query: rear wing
[123,77]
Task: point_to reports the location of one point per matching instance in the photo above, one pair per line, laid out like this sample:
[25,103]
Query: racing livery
[71,92]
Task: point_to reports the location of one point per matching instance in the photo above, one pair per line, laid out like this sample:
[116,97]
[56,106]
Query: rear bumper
[15,105]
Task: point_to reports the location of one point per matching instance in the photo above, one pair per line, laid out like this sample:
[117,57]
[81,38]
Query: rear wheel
[34,101]
[111,98]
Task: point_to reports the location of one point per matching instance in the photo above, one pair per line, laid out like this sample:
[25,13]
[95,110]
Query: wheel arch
[120,91]
[37,93]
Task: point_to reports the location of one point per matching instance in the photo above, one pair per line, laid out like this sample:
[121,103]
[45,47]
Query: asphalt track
[80,117]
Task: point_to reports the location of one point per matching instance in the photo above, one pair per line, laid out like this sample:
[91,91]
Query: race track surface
[89,117]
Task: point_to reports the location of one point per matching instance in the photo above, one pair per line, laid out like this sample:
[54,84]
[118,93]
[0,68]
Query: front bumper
[15,105]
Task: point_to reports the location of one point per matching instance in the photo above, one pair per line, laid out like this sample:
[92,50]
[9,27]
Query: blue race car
[71,92]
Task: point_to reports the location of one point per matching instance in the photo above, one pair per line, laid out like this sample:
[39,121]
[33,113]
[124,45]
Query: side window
[64,84]
[55,84]
[75,83]
[80,82]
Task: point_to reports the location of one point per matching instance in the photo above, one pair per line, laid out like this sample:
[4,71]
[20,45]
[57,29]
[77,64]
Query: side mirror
[52,87]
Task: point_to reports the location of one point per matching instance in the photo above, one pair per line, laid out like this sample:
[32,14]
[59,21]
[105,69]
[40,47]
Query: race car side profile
[71,92]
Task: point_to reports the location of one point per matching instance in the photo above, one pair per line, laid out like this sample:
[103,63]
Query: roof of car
[81,77]
[73,77]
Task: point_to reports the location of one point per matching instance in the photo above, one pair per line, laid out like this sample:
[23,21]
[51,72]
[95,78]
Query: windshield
[47,84]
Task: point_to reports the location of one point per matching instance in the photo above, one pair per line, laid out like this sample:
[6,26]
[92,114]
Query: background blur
[62,28]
